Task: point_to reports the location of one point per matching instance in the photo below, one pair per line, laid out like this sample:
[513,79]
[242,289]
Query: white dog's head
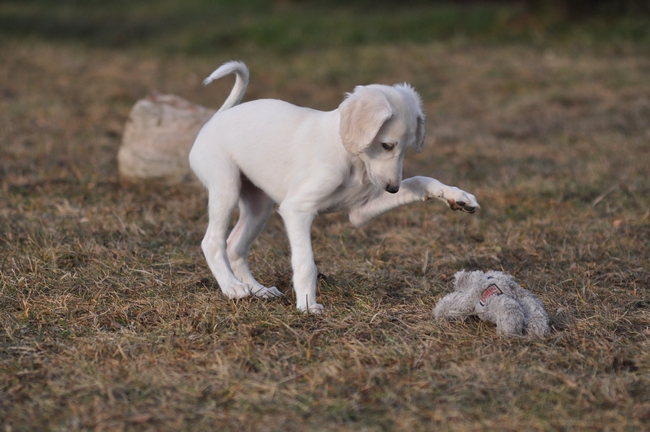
[378,124]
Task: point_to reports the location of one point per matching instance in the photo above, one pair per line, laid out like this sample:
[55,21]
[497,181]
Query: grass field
[111,320]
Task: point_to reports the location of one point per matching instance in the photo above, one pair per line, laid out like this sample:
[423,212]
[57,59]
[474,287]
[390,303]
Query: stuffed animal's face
[486,285]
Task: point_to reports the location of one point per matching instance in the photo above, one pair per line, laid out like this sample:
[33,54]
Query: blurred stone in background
[158,137]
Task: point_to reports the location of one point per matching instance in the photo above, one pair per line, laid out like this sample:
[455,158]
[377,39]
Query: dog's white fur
[308,162]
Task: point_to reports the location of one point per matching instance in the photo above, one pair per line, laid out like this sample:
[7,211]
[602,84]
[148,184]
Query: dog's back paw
[237,290]
[267,293]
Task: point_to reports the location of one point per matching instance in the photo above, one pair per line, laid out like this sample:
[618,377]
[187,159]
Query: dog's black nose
[392,189]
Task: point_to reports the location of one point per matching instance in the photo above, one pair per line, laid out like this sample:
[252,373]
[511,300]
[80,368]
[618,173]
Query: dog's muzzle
[392,189]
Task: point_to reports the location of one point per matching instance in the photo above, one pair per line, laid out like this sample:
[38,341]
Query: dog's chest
[348,195]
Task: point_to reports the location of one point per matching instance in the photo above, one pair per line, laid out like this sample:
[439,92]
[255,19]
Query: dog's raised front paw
[458,199]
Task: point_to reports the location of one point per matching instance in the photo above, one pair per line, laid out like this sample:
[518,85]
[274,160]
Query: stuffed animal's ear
[420,133]
[461,280]
[508,316]
[454,305]
[363,113]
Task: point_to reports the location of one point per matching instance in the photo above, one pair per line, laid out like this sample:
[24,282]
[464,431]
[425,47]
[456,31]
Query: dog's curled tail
[241,82]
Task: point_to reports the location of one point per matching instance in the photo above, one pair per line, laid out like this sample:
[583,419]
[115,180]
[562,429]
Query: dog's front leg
[298,225]
[411,190]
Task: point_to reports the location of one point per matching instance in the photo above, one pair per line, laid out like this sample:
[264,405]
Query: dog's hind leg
[223,197]
[254,210]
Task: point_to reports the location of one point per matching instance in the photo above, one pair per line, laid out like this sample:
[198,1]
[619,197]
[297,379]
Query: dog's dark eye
[387,146]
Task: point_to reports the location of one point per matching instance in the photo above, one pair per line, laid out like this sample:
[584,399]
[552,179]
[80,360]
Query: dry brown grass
[111,319]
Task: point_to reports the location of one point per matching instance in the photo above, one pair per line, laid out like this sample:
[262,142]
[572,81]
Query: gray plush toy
[495,297]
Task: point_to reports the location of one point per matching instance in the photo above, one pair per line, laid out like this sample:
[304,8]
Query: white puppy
[308,162]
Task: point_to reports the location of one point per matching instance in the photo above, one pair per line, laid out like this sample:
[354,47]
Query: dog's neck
[358,172]
[354,189]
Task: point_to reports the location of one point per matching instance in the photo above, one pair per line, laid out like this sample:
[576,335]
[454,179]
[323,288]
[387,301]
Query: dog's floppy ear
[409,93]
[362,115]
[420,132]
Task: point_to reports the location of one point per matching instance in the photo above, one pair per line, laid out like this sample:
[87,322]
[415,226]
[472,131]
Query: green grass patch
[204,27]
